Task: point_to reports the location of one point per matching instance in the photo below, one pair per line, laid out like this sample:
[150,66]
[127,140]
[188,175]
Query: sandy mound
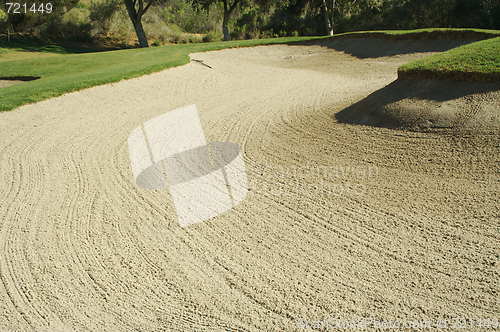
[341,222]
[429,105]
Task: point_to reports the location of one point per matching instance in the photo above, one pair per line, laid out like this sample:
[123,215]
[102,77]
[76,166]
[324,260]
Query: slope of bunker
[342,221]
[430,105]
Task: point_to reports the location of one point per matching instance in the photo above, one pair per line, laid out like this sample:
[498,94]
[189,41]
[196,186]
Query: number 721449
[18,8]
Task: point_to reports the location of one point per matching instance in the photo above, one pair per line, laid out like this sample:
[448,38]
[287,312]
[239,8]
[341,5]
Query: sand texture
[5,83]
[357,207]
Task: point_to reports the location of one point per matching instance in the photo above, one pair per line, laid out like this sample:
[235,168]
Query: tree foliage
[21,21]
[177,20]
[229,6]
[311,16]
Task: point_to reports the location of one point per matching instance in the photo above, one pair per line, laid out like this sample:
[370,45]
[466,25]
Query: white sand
[416,237]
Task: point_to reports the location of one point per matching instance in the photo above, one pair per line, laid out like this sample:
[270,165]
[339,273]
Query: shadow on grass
[26,46]
[20,78]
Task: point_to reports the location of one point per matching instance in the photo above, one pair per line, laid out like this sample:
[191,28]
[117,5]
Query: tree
[329,18]
[136,10]
[229,7]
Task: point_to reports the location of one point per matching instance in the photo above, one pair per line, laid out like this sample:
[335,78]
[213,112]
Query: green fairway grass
[476,62]
[22,51]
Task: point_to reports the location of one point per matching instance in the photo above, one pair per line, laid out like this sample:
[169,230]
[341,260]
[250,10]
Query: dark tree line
[312,17]
[320,17]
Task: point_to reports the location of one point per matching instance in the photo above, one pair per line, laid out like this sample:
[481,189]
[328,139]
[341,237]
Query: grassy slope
[61,73]
[476,62]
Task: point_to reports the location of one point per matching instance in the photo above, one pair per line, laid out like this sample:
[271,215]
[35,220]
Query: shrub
[121,27]
[3,20]
[74,25]
[212,36]
[183,15]
[101,14]
[254,33]
[156,43]
[194,39]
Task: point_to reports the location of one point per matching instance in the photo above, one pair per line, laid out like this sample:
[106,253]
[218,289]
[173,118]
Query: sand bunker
[5,83]
[8,81]
[341,221]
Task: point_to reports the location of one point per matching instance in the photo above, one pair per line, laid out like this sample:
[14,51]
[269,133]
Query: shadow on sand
[428,105]
[364,48]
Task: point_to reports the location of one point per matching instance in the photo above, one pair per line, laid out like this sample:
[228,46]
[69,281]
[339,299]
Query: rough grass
[476,62]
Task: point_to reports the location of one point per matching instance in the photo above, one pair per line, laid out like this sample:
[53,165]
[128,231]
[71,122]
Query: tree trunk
[225,22]
[228,10]
[487,9]
[328,23]
[136,17]
[141,35]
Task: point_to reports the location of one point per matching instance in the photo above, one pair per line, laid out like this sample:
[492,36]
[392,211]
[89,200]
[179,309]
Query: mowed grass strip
[64,70]
[476,62]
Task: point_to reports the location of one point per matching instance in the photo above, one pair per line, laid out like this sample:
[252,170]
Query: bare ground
[342,220]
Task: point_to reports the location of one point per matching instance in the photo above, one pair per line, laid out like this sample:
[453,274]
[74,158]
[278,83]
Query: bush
[156,43]
[183,15]
[194,39]
[254,33]
[3,20]
[101,14]
[212,36]
[120,27]
[74,26]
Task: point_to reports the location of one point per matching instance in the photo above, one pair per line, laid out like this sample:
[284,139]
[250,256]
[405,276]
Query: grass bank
[476,62]
[64,70]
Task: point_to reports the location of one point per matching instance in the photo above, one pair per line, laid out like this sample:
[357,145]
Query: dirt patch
[342,221]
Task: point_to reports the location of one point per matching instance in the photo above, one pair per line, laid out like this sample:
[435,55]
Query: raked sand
[342,220]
